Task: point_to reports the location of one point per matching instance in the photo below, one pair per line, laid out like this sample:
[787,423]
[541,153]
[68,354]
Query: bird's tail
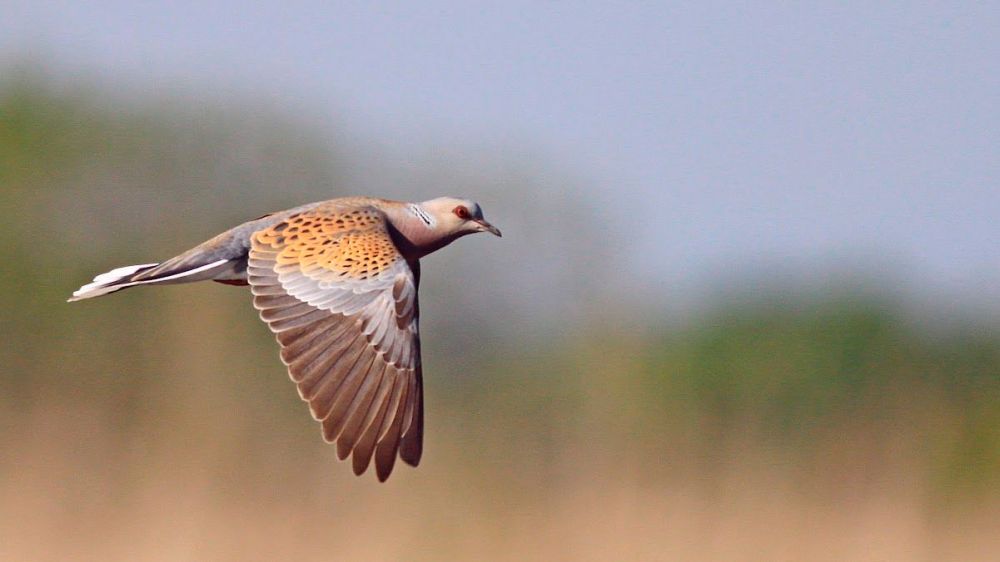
[147,274]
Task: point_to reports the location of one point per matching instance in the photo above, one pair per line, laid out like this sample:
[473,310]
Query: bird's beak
[487,227]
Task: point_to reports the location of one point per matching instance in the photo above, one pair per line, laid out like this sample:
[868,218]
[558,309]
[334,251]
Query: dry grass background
[79,493]
[159,424]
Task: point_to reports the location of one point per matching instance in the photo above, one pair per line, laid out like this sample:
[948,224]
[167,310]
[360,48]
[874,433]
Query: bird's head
[457,217]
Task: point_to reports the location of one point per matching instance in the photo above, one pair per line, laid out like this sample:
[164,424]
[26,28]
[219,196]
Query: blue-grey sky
[729,134]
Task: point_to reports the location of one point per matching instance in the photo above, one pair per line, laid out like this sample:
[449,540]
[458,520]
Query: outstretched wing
[342,303]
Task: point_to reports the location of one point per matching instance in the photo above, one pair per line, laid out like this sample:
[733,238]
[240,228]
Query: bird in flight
[336,281]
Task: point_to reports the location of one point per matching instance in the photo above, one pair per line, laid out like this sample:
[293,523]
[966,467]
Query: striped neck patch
[420,213]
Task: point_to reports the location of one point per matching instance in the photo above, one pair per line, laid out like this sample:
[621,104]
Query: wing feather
[411,444]
[361,411]
[380,407]
[391,432]
[341,411]
[330,372]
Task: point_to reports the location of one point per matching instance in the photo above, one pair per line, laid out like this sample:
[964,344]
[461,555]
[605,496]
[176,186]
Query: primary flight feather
[336,281]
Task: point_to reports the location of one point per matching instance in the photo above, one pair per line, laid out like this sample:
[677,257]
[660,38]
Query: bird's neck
[415,233]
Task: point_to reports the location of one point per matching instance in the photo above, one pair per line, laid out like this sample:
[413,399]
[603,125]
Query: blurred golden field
[564,422]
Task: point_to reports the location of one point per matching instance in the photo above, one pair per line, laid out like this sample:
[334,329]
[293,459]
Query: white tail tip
[104,283]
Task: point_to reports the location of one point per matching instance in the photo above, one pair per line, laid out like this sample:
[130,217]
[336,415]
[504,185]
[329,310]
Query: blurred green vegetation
[840,391]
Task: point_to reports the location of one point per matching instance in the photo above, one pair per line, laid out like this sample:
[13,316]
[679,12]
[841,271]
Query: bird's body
[336,281]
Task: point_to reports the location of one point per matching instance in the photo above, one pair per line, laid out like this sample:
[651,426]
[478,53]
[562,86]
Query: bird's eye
[462,213]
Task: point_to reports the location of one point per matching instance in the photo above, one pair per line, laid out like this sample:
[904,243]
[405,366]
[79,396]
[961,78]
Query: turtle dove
[336,281]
